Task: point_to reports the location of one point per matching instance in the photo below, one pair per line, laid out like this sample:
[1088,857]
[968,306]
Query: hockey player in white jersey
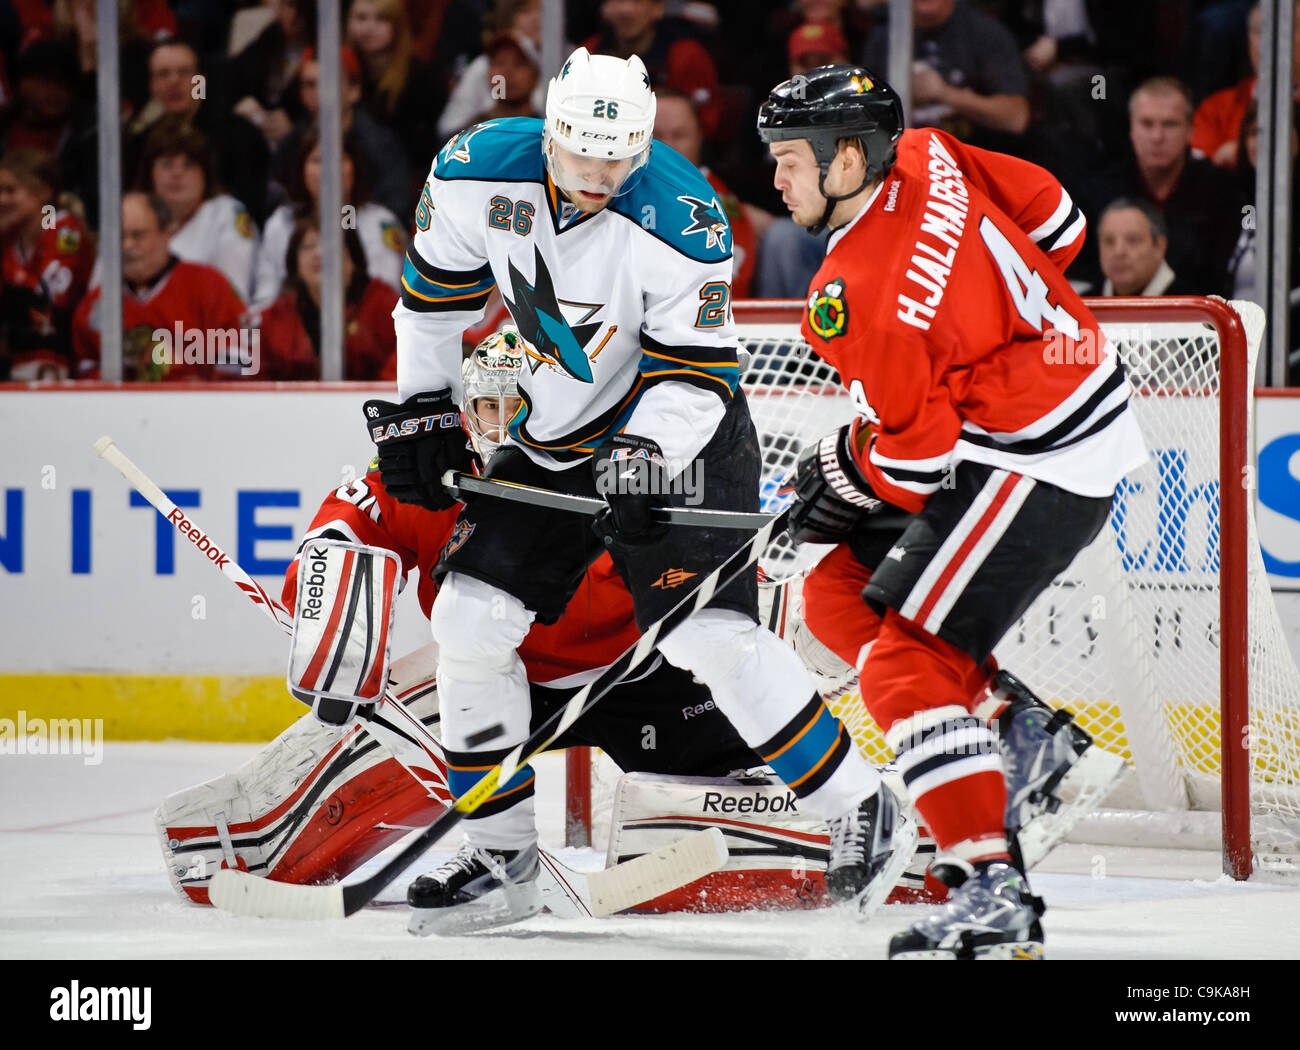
[614,258]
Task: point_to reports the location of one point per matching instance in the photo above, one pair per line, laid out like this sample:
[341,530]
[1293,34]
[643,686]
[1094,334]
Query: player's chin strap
[820,224]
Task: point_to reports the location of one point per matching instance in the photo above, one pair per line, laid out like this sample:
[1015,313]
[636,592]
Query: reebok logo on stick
[199,538]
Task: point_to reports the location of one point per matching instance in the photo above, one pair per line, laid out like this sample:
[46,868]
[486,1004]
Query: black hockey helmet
[830,103]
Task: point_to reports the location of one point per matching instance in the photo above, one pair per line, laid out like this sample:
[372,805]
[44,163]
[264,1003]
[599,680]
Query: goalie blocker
[338,658]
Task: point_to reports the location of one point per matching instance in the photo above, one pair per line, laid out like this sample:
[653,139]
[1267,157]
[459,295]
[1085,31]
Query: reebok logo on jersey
[828,309]
[671,578]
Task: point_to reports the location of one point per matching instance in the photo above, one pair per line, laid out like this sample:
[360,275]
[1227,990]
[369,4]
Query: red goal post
[1183,595]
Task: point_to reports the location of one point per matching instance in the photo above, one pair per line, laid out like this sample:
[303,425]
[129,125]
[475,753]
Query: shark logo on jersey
[540,321]
[457,147]
[707,219]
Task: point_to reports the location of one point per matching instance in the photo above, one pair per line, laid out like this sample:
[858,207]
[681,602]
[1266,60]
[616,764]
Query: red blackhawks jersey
[196,297]
[595,629]
[945,309]
[53,276]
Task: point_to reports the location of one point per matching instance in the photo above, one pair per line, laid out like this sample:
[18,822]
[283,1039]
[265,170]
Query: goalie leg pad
[312,806]
[341,624]
[777,850]
[763,688]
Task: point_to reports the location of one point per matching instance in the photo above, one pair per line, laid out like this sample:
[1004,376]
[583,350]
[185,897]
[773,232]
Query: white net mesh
[1129,637]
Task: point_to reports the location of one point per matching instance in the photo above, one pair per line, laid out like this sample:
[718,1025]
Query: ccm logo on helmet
[445,421]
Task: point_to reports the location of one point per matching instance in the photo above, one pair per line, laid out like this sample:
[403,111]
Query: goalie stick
[571,893]
[245,894]
[104,448]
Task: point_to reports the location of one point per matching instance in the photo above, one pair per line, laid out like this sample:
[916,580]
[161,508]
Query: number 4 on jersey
[1028,290]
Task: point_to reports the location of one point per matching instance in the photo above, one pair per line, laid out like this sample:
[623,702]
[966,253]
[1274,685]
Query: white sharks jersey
[627,312]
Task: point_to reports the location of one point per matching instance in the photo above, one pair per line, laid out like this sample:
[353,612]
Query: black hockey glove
[418,441]
[632,476]
[831,493]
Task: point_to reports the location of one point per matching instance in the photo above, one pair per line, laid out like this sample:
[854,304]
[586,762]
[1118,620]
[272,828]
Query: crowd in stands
[1146,112]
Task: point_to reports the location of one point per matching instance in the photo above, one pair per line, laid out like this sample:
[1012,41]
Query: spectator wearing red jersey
[47,259]
[290,326]
[161,293]
[1218,118]
[671,57]
[678,125]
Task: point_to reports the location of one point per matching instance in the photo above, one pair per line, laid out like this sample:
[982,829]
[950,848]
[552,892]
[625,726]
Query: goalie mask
[491,378]
[600,116]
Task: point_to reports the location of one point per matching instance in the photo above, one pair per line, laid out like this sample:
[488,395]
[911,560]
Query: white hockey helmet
[492,371]
[600,108]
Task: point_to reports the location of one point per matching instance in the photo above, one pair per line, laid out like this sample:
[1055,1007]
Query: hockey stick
[575,893]
[538,497]
[246,894]
[231,569]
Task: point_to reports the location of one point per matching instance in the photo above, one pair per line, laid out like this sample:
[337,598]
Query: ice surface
[81,876]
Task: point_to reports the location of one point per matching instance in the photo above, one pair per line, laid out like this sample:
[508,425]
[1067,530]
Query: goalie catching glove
[632,476]
[831,492]
[419,441]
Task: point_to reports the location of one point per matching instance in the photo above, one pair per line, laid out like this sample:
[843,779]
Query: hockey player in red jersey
[989,407]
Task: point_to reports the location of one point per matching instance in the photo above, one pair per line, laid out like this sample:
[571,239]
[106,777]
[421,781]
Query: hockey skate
[477,889]
[989,915]
[1047,758]
[870,847]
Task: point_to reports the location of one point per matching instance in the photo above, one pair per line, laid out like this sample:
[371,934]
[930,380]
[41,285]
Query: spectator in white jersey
[208,226]
[381,234]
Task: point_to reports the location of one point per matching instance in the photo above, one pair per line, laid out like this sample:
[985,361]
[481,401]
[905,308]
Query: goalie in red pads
[992,409]
[320,800]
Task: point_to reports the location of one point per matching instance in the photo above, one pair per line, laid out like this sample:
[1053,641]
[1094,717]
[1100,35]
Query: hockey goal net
[1162,637]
